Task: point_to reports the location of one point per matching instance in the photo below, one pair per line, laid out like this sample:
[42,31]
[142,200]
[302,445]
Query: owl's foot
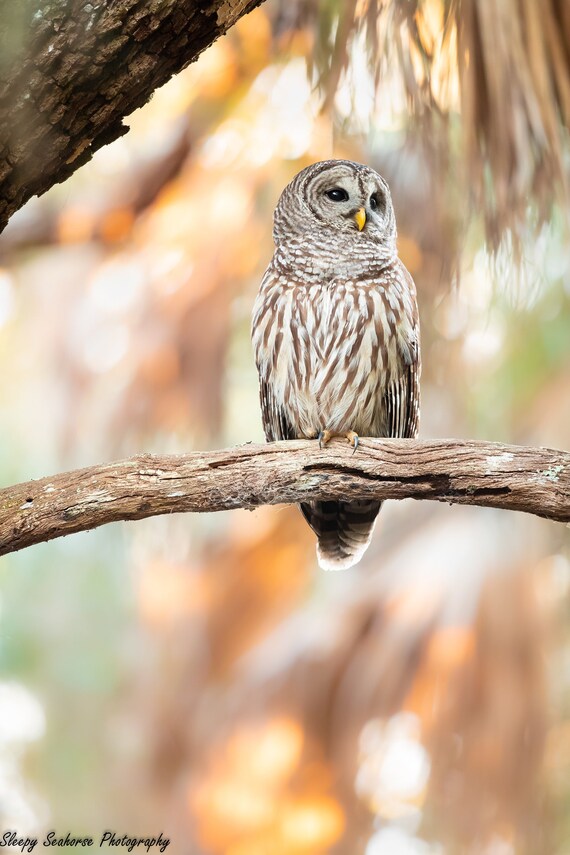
[351,436]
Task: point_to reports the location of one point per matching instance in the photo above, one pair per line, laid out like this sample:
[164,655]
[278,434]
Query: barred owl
[335,332]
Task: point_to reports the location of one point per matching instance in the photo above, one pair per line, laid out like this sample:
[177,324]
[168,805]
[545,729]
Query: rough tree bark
[534,480]
[71,70]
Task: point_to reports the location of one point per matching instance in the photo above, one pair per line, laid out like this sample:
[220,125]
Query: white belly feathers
[328,371]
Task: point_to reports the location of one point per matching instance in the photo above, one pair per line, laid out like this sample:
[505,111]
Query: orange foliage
[248,800]
[169,592]
[117,224]
[75,224]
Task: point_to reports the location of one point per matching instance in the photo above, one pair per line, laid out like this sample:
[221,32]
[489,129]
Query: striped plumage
[335,331]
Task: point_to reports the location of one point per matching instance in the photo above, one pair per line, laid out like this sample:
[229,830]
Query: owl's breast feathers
[337,346]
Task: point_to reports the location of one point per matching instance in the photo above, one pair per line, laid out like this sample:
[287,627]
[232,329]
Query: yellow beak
[360,218]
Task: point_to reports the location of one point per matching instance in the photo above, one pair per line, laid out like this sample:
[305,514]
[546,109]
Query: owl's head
[337,196]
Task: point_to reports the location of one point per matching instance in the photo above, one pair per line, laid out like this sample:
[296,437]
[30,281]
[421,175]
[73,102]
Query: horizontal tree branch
[533,480]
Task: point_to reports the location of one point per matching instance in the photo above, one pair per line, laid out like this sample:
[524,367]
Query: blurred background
[199,675]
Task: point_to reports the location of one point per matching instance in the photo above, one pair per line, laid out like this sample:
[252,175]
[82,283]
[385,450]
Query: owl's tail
[343,530]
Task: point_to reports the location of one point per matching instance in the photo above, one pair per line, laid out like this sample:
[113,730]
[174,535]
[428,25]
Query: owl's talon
[353,438]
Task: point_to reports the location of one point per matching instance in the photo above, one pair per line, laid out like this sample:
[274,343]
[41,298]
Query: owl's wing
[275,422]
[401,400]
[265,323]
[401,403]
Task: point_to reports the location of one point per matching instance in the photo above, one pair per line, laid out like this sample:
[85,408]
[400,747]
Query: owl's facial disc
[350,200]
[337,198]
[344,203]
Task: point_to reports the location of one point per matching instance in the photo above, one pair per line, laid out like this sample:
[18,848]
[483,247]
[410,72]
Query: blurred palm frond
[502,69]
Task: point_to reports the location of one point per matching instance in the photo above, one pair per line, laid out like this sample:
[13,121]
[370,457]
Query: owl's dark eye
[337,194]
[374,201]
